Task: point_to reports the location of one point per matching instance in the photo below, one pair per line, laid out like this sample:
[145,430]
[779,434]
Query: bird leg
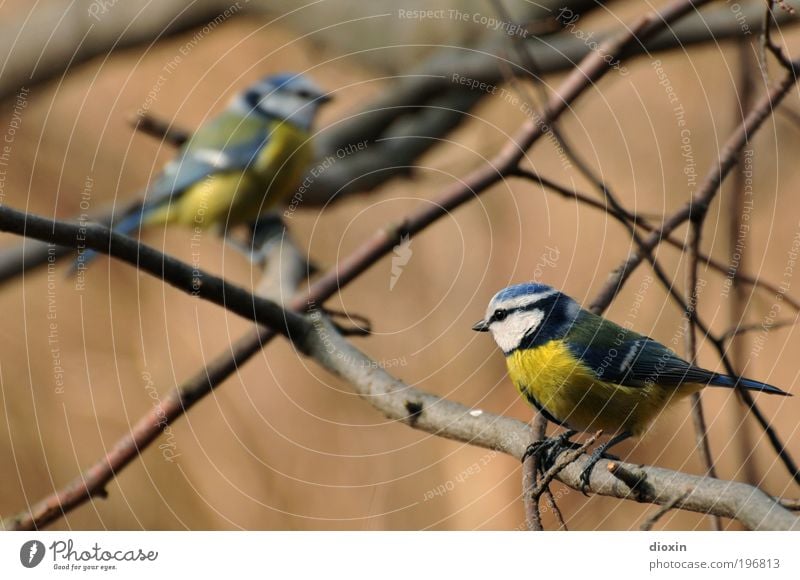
[549,448]
[601,453]
[245,248]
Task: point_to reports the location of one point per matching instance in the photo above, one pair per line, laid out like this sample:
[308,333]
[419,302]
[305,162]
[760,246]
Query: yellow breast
[551,377]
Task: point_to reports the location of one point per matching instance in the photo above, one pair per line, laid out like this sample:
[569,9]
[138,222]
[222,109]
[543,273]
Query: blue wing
[637,362]
[228,142]
[624,357]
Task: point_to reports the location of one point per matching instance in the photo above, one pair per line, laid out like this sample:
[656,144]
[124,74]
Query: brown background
[283,445]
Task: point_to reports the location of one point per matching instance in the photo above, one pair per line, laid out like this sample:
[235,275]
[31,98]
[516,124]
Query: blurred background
[284,445]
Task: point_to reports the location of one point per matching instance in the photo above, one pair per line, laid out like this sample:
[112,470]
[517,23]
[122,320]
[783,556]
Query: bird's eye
[304,94]
[500,314]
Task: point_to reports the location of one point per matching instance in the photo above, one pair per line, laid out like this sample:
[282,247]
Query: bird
[238,165]
[584,372]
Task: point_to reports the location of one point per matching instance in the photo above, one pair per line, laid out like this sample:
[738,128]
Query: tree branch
[499,433]
[183,276]
[704,195]
[396,400]
[284,272]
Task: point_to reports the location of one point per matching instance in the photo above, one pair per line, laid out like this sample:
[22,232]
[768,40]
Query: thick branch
[183,276]
[421,410]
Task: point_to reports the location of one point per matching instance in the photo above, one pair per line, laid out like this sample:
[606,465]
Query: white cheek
[509,333]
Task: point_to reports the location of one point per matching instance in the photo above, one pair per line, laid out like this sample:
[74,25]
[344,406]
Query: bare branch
[280,279]
[191,280]
[149,124]
[444,418]
[622,215]
[423,410]
[705,193]
[698,416]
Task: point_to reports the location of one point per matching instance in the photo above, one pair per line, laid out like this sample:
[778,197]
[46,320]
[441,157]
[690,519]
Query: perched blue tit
[238,165]
[584,372]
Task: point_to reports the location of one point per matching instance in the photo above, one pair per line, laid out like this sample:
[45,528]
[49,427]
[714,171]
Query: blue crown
[280,80]
[523,289]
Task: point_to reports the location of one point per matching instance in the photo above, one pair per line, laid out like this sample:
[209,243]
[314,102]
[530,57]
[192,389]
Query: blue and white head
[287,97]
[527,315]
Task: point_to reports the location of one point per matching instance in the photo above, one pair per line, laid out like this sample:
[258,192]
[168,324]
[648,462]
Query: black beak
[322,99]
[481,326]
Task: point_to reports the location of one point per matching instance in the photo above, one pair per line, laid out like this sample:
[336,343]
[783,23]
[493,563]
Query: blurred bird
[238,165]
[584,373]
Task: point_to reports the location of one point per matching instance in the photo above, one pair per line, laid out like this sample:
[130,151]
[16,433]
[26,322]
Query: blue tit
[238,165]
[584,372]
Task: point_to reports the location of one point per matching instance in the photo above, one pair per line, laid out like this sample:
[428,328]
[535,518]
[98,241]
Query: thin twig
[154,126]
[719,343]
[698,416]
[653,518]
[530,471]
[775,49]
[704,194]
[790,503]
[740,329]
[625,215]
[737,305]
[551,503]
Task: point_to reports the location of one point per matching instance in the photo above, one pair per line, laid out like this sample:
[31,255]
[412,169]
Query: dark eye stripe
[546,304]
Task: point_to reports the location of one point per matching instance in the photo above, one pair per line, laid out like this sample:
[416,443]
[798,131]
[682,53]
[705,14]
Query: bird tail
[127,225]
[749,384]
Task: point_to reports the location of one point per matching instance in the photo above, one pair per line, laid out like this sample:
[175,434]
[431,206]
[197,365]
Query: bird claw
[586,474]
[549,448]
[594,458]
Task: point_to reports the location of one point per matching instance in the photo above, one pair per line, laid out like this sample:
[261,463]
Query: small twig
[449,419]
[698,416]
[551,503]
[738,303]
[754,510]
[741,329]
[624,215]
[653,518]
[634,478]
[769,44]
[704,194]
[159,128]
[530,471]
[789,503]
